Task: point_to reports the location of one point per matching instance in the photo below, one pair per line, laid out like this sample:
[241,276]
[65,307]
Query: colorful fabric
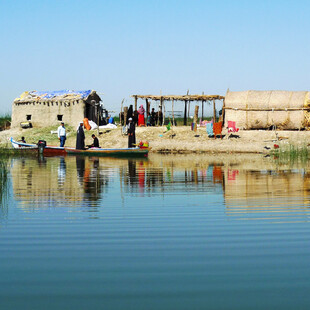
[232,126]
[169,126]
[141,110]
[217,128]
[204,123]
[210,129]
[141,121]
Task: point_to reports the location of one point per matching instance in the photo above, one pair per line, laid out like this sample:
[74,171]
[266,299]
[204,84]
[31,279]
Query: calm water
[170,232]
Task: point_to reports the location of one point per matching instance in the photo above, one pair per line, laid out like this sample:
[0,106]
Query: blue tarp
[57,93]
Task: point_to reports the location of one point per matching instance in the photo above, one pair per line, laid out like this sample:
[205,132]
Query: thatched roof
[272,100]
[180,98]
[60,95]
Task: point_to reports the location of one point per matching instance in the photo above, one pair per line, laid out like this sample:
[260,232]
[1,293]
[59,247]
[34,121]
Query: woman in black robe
[131,133]
[129,114]
[80,138]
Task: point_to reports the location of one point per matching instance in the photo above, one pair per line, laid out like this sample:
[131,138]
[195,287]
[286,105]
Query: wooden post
[160,110]
[125,115]
[189,107]
[202,106]
[196,117]
[136,103]
[121,114]
[98,121]
[185,113]
[214,111]
[164,113]
[223,111]
[172,112]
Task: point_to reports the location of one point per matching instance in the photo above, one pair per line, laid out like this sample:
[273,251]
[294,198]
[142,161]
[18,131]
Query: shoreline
[178,140]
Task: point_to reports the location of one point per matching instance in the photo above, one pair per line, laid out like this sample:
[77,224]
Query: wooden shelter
[49,108]
[185,99]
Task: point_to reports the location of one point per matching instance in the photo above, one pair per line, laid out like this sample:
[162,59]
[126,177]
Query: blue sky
[121,48]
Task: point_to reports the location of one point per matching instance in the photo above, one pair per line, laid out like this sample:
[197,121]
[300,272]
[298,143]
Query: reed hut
[49,108]
[247,189]
[285,110]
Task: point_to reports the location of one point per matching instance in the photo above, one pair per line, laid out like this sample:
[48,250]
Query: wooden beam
[180,98]
[136,103]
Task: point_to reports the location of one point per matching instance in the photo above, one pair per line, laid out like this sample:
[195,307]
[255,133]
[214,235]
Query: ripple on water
[168,232]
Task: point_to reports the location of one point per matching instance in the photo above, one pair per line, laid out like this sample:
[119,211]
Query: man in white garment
[62,134]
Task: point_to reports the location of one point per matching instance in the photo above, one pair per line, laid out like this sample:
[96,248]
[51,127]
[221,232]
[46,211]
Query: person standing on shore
[131,133]
[62,134]
[129,114]
[153,117]
[141,121]
[80,138]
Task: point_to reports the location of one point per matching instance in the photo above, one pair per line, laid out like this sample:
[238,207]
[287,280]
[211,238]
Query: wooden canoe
[48,150]
[129,152]
[62,151]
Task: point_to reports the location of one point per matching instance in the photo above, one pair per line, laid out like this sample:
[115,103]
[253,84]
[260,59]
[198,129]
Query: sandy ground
[177,140]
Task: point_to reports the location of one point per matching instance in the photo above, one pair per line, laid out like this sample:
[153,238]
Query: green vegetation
[116,119]
[5,121]
[291,153]
[35,134]
[48,134]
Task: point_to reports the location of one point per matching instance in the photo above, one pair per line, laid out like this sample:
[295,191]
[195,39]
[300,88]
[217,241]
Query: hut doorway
[90,113]
[94,113]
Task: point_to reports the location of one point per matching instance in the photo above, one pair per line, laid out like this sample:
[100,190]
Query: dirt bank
[177,140]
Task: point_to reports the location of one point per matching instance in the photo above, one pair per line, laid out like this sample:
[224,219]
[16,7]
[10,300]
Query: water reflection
[170,232]
[141,176]
[3,188]
[91,178]
[268,194]
[62,172]
[248,187]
